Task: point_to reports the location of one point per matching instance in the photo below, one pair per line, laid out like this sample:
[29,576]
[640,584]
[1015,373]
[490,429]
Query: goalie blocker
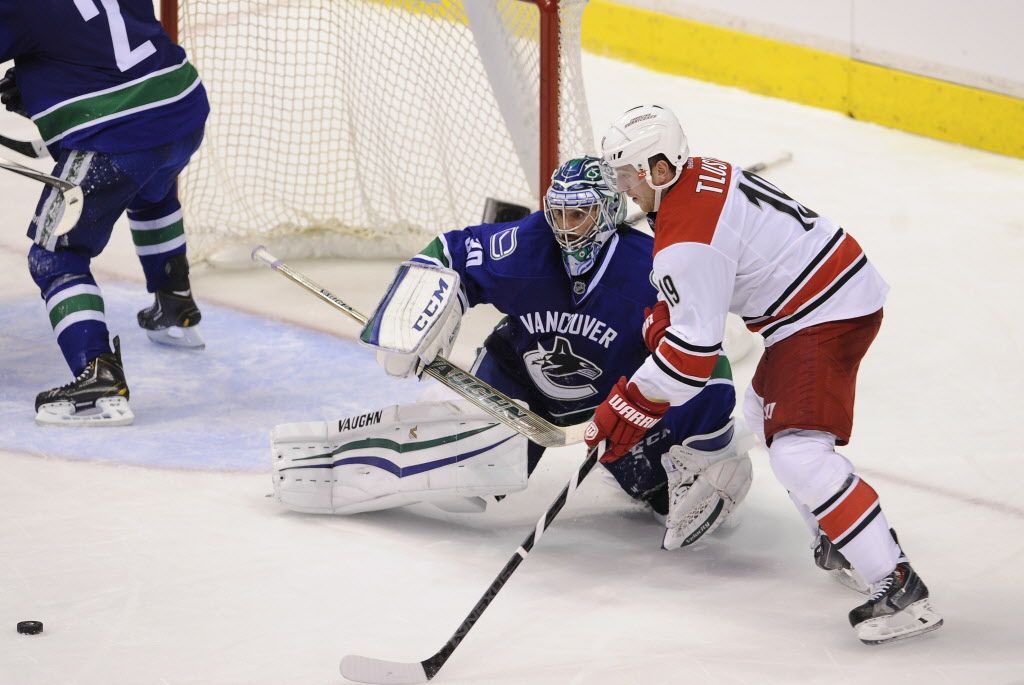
[417,319]
[448,453]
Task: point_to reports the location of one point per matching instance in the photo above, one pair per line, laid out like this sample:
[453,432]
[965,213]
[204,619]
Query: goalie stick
[367,670]
[480,393]
[29,148]
[71,194]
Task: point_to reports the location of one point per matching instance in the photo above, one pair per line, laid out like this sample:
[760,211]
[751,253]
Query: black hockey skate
[898,608]
[174,315]
[828,558]
[97,397]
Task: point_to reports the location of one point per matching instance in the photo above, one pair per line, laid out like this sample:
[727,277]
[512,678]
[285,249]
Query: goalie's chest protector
[575,337]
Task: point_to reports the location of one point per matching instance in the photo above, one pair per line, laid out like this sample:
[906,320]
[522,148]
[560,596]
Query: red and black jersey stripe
[685,362]
[833,266]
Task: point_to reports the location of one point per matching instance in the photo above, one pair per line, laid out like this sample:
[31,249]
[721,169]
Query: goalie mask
[582,211]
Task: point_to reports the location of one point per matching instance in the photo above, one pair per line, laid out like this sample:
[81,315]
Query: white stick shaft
[28,172]
[71,200]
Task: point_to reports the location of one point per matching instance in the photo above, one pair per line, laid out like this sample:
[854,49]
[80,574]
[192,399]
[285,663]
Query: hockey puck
[30,627]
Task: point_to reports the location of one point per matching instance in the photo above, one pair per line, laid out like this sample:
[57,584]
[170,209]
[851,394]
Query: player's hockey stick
[769,163]
[73,200]
[491,400]
[366,670]
[29,148]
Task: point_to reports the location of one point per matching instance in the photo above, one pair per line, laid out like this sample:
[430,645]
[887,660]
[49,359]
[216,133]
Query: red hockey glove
[655,322]
[623,419]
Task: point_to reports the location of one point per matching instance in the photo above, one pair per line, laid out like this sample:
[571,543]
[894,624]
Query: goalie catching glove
[417,320]
[708,476]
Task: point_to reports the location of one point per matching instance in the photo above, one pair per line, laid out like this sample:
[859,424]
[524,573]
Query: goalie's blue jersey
[100,75]
[565,341]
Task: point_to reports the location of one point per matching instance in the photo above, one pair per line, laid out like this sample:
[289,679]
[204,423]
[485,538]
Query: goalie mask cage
[364,127]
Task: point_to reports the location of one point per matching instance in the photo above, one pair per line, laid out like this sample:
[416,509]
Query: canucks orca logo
[554,370]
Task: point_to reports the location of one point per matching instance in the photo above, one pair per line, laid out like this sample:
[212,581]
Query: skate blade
[917,619]
[109,411]
[176,336]
[851,579]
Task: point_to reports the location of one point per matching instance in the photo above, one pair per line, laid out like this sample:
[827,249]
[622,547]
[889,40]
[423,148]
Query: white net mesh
[364,127]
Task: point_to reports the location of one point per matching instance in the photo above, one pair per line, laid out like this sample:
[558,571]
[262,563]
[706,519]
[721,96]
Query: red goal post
[364,127]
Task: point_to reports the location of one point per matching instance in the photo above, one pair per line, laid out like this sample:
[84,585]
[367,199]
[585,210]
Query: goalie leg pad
[708,477]
[440,452]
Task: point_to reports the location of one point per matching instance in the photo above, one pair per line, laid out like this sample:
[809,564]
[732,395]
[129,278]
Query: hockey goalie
[581,315]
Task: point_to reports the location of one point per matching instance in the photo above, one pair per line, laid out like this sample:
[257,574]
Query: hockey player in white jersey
[726,240]
[573,283]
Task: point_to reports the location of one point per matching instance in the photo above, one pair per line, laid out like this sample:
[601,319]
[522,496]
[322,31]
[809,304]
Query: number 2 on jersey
[125,56]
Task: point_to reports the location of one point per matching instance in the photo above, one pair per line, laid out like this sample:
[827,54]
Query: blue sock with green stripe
[77,314]
[158,233]
[74,304]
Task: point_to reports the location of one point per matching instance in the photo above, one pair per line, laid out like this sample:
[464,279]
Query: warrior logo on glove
[623,419]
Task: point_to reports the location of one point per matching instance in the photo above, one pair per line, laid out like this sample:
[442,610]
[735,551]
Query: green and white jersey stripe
[77,303]
[153,90]
[157,236]
[437,252]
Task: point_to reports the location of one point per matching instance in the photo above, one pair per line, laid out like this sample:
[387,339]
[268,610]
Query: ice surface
[207,409]
[181,577]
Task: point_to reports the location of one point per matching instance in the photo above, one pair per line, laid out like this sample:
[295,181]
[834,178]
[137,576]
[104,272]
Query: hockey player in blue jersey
[573,283]
[121,110]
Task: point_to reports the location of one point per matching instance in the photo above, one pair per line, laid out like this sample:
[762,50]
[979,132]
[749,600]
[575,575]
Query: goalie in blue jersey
[580,313]
[121,110]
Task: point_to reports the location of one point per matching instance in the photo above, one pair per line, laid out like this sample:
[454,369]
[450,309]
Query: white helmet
[634,140]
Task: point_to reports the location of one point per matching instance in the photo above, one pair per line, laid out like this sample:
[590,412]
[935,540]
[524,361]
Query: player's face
[633,182]
[643,196]
[573,223]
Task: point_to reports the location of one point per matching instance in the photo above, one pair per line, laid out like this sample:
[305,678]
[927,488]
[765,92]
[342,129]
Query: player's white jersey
[726,240]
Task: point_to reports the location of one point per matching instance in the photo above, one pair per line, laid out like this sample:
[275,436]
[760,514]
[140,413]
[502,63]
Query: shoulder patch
[690,211]
[503,243]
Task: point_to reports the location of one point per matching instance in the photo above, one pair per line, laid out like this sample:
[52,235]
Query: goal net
[364,127]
